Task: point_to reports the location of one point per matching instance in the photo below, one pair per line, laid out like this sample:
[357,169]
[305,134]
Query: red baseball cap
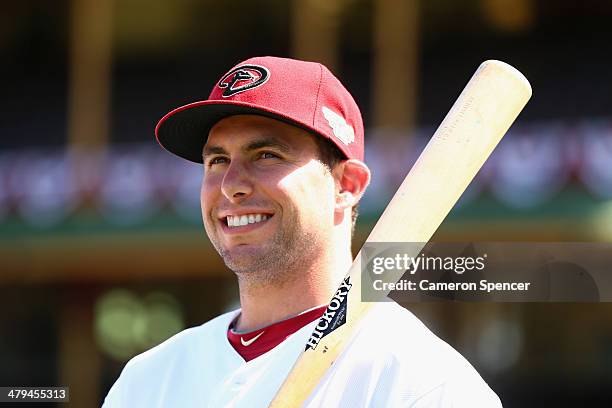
[303,94]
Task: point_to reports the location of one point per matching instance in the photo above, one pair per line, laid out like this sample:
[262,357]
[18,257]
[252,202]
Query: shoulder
[175,354]
[409,351]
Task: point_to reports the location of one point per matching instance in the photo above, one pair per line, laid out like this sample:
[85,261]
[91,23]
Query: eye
[268,155]
[217,160]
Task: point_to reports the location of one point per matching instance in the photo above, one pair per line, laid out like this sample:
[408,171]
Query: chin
[244,256]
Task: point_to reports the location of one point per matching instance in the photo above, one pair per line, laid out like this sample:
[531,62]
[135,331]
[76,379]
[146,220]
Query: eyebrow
[267,142]
[209,150]
[254,145]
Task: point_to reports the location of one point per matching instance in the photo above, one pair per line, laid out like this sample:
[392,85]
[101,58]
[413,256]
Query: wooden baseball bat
[482,114]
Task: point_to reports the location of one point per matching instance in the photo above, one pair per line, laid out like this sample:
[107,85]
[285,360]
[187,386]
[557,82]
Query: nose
[236,184]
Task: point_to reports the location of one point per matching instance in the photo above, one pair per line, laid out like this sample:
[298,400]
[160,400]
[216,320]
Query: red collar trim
[253,344]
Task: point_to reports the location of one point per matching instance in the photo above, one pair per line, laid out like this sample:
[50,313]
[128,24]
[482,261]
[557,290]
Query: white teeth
[240,220]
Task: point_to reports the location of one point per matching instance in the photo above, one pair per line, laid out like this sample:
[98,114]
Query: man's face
[265,174]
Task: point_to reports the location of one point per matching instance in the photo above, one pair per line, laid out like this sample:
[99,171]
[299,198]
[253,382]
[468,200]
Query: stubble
[291,250]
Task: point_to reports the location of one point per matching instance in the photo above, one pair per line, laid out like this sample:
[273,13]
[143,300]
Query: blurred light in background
[119,323]
[44,186]
[509,15]
[529,166]
[126,324]
[164,318]
[185,179]
[596,171]
[4,195]
[602,222]
[127,194]
[499,344]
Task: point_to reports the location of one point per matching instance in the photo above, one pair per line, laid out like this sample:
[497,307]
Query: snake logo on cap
[243,78]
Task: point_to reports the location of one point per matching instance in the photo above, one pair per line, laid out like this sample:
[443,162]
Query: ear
[352,177]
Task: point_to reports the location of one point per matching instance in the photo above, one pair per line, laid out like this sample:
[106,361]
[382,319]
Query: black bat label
[334,316]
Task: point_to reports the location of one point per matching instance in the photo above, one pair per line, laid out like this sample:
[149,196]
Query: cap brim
[184,130]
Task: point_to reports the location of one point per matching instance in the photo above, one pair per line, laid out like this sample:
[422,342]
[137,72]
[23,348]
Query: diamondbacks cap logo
[341,129]
[243,78]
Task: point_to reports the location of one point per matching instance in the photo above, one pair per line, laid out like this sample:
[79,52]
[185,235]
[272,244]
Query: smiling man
[282,143]
[270,209]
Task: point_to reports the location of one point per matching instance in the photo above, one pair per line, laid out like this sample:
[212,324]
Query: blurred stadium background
[102,252]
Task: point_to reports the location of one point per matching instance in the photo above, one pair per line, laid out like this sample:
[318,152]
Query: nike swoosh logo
[249,342]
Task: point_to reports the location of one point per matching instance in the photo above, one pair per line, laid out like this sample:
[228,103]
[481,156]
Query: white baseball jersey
[393,361]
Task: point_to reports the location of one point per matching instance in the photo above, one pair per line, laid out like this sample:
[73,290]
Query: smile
[241,220]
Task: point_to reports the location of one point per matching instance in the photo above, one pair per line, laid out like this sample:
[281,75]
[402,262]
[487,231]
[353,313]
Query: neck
[313,286]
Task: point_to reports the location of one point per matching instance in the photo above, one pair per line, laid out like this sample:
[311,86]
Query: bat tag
[334,316]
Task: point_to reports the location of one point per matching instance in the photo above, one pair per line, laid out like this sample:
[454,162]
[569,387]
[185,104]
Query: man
[281,142]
